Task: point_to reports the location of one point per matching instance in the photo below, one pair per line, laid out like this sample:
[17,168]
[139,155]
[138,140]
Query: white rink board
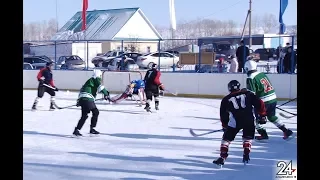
[197,84]
[135,145]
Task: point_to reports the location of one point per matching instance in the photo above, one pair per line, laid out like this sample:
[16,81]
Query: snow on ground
[134,145]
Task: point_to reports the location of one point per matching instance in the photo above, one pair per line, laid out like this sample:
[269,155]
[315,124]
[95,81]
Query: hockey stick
[175,94]
[76,104]
[210,132]
[285,116]
[287,102]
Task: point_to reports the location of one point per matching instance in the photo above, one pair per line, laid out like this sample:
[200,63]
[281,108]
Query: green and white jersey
[259,83]
[90,89]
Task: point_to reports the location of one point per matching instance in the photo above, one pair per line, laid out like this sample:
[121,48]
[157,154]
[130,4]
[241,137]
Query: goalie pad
[121,97]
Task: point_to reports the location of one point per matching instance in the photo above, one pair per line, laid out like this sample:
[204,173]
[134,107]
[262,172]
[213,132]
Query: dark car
[266,53]
[71,63]
[130,55]
[221,47]
[37,62]
[105,58]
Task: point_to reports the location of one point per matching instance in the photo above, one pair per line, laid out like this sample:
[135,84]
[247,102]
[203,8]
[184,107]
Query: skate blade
[290,137]
[94,135]
[74,136]
[219,166]
[51,109]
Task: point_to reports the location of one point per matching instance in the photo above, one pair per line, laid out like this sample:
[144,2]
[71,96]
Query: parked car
[130,65]
[176,53]
[105,58]
[37,62]
[71,63]
[27,66]
[221,47]
[166,59]
[266,53]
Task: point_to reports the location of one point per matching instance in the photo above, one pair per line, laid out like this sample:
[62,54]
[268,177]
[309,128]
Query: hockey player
[136,87]
[46,85]
[260,84]
[86,100]
[236,113]
[153,84]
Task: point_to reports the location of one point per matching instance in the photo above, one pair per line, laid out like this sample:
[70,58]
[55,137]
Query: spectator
[242,53]
[234,64]
[287,61]
[123,63]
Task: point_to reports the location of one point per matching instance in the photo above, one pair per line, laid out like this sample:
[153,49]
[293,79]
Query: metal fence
[202,55]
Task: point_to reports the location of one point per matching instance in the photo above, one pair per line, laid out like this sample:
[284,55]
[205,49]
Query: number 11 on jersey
[241,98]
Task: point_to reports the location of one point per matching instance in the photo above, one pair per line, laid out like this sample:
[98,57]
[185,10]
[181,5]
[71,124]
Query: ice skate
[288,135]
[219,162]
[94,132]
[148,109]
[263,137]
[245,159]
[76,133]
[52,108]
[34,107]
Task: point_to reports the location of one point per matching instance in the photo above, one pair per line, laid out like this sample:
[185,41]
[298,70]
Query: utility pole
[250,38]
[57,28]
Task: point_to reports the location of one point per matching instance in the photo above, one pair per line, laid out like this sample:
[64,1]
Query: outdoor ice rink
[135,145]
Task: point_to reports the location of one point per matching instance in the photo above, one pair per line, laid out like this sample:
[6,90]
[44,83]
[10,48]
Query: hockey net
[117,81]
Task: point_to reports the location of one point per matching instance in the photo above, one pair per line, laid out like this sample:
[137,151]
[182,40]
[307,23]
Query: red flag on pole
[84,19]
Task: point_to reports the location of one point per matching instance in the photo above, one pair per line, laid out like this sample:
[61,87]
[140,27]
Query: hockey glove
[244,89]
[161,87]
[56,89]
[262,120]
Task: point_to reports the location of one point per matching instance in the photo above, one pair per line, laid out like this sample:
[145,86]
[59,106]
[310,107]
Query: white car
[130,65]
[166,60]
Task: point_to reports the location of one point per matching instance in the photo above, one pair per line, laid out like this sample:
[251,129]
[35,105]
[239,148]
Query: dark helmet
[233,85]
[49,63]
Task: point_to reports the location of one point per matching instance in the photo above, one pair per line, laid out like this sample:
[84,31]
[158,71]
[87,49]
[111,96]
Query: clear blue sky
[157,11]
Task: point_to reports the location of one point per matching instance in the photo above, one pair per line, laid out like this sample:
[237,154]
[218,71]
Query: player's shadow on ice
[206,118]
[182,128]
[152,136]
[42,134]
[161,174]
[116,111]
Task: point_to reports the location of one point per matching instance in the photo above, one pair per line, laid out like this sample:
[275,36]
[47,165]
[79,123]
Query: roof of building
[101,24]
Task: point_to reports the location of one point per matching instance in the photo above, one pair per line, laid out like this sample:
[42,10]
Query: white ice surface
[135,145]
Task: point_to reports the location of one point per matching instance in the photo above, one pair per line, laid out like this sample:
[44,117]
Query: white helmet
[250,65]
[97,73]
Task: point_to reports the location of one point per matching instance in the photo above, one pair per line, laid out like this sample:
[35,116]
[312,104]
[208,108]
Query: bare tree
[269,22]
[39,31]
[133,45]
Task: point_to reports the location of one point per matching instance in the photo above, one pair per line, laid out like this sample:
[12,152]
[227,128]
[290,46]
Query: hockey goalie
[136,87]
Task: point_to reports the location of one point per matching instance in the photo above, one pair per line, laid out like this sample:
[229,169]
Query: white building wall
[136,28]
